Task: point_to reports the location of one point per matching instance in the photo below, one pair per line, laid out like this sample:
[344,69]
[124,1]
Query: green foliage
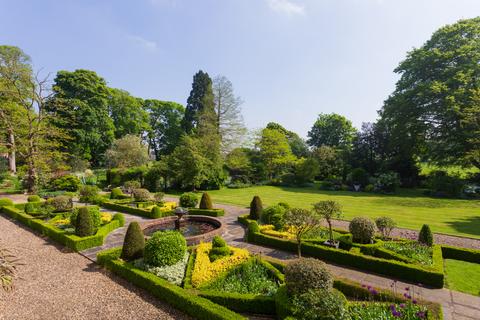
[131,185]
[88,193]
[188,200]
[5,202]
[358,176]
[158,196]
[256,208]
[60,203]
[464,254]
[120,218]
[303,221]
[303,171]
[328,210]
[67,182]
[330,162]
[116,193]
[207,212]
[141,194]
[425,236]
[132,210]
[134,243]
[305,274]
[406,311]
[274,215]
[206,202]
[441,184]
[275,152]
[34,198]
[200,99]
[84,223]
[127,152]
[387,182]
[332,130]
[164,248]
[94,212]
[416,252]
[320,304]
[157,212]
[385,225]
[362,229]
[219,249]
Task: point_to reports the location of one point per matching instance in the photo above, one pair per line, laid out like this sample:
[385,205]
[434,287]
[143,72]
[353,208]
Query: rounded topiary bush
[94,212]
[116,193]
[256,208]
[134,243]
[206,202]
[60,203]
[88,193]
[385,225]
[156,212]
[362,229]
[30,208]
[320,304]
[120,217]
[188,200]
[33,198]
[164,248]
[84,223]
[142,195]
[425,236]
[219,249]
[305,274]
[5,202]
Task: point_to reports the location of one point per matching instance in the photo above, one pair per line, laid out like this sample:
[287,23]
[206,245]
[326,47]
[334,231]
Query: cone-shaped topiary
[134,243]
[256,208]
[84,226]
[425,236]
[206,202]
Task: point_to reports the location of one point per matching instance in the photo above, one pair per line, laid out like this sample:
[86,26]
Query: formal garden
[201,205]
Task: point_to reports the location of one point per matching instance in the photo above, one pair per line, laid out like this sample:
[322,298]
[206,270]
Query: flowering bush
[173,273]
[205,271]
[378,310]
[105,217]
[269,230]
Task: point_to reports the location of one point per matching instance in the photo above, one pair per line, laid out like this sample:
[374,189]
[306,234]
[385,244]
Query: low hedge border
[187,281]
[135,211]
[247,303]
[463,254]
[207,212]
[73,242]
[433,277]
[191,304]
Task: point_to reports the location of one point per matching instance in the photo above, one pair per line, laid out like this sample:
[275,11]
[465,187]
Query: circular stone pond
[195,229]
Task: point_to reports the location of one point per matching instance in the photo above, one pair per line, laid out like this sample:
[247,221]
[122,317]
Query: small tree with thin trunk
[302,221]
[328,210]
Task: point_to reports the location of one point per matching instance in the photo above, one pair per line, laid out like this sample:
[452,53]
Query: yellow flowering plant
[105,217]
[269,230]
[205,271]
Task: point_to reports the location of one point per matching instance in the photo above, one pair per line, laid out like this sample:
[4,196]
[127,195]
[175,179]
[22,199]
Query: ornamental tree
[302,221]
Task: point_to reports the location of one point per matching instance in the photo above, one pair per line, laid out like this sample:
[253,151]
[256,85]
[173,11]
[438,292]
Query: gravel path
[57,284]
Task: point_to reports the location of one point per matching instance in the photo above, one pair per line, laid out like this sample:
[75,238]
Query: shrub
[358,176]
[385,225]
[320,304]
[67,182]
[188,200]
[425,236]
[165,248]
[274,215]
[5,202]
[30,207]
[362,229]
[206,202]
[33,198]
[60,203]
[256,208]
[88,193]
[305,274]
[134,243]
[219,249]
[84,223]
[116,193]
[94,212]
[141,194]
[369,188]
[120,217]
[387,182]
[131,185]
[158,196]
[443,185]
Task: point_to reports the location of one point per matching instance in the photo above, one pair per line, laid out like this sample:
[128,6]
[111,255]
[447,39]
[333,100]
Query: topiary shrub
[219,249]
[134,242]
[362,229]
[34,198]
[320,304]
[142,195]
[116,193]
[425,236]
[131,185]
[94,211]
[305,274]
[30,207]
[67,182]
[164,248]
[256,208]
[274,215]
[88,193]
[5,202]
[120,218]
[156,212]
[385,225]
[206,202]
[84,223]
[60,203]
[188,200]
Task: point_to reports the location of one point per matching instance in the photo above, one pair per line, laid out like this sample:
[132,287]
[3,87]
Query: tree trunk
[12,166]
[299,248]
[31,178]
[331,232]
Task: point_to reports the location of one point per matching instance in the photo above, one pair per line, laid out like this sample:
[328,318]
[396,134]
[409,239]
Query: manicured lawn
[463,276]
[409,208]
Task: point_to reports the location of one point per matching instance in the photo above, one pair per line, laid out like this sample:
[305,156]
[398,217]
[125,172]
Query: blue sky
[288,59]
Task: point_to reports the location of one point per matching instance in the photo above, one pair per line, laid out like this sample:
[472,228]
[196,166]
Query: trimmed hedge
[417,274]
[463,254]
[135,211]
[247,303]
[206,212]
[187,281]
[195,306]
[72,241]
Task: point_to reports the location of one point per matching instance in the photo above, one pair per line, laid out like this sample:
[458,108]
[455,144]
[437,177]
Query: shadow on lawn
[470,225]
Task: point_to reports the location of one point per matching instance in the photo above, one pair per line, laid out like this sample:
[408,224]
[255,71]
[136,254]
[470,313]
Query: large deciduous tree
[80,107]
[275,151]
[128,151]
[332,130]
[435,109]
[165,124]
[297,144]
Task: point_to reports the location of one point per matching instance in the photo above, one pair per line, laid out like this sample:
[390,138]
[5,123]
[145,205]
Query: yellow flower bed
[269,230]
[204,270]
[106,217]
[167,206]
[61,221]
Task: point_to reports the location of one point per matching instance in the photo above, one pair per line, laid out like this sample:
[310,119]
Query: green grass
[463,276]
[409,208]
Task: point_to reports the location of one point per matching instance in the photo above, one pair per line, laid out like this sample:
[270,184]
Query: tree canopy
[332,130]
